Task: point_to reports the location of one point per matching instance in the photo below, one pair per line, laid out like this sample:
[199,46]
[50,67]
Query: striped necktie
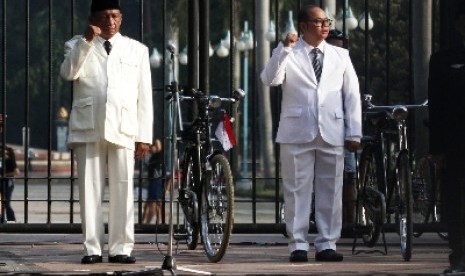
[316,63]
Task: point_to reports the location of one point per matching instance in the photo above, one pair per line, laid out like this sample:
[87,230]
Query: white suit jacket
[112,97]
[331,107]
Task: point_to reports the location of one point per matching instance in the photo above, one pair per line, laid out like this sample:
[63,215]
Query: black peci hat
[100,5]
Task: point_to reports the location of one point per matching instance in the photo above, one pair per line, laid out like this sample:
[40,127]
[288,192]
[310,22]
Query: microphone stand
[169,262]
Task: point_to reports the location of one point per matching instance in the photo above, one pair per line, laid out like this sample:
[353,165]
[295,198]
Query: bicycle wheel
[436,206]
[282,205]
[422,192]
[217,207]
[188,197]
[371,204]
[404,210]
[437,218]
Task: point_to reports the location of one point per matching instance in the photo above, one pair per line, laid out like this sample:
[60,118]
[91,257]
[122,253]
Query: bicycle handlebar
[238,95]
[397,112]
[371,106]
[205,102]
[211,97]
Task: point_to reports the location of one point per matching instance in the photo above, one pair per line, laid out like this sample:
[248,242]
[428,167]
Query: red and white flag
[225,134]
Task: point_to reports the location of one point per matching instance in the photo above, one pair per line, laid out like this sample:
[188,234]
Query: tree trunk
[421,51]
[266,143]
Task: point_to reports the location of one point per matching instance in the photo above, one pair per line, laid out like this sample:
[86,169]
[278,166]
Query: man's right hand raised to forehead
[290,40]
[91,32]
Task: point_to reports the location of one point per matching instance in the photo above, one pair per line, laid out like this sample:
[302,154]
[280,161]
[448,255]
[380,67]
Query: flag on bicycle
[225,134]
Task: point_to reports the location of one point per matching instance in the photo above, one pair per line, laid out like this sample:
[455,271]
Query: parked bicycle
[385,167]
[371,204]
[206,192]
[426,183]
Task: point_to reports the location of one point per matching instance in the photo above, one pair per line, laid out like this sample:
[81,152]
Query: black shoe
[122,259]
[328,255]
[92,259]
[454,269]
[298,256]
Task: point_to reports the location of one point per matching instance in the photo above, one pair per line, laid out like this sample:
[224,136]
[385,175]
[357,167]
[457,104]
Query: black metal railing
[33,33]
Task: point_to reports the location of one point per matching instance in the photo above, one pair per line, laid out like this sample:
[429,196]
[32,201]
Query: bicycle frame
[426,193]
[389,151]
[212,213]
[206,192]
[201,126]
[397,114]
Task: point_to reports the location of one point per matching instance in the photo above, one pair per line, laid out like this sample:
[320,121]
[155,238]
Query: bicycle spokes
[217,209]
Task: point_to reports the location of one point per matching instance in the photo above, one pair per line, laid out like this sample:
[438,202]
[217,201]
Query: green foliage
[387,84]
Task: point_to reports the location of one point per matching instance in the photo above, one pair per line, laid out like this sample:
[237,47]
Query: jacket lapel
[330,63]
[327,62]
[304,61]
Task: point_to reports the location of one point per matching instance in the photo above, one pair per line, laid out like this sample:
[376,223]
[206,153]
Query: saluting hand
[91,32]
[290,40]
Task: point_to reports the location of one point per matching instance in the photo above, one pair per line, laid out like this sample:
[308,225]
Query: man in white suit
[110,124]
[320,114]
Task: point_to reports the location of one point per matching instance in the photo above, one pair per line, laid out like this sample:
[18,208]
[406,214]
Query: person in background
[110,124]
[446,101]
[8,182]
[336,38]
[177,177]
[12,171]
[153,205]
[349,189]
[320,114]
[30,157]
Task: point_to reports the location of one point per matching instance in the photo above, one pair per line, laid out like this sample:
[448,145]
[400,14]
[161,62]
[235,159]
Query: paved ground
[248,254]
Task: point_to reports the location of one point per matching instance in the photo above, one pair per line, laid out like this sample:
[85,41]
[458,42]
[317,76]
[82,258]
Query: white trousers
[94,160]
[304,167]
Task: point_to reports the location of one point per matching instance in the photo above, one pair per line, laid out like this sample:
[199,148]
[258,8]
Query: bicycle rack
[360,230]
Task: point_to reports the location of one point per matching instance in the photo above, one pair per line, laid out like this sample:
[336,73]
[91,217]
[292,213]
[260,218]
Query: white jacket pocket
[82,115]
[129,69]
[128,122]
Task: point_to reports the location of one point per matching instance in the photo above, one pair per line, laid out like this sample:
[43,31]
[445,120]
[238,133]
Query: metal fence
[35,100]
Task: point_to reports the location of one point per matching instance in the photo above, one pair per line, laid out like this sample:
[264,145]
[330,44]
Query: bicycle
[385,167]
[426,183]
[206,192]
[370,206]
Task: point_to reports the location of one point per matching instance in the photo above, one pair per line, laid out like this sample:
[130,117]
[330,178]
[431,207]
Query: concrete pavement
[248,254]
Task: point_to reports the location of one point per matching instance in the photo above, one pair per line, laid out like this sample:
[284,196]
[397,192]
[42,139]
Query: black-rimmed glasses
[321,22]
